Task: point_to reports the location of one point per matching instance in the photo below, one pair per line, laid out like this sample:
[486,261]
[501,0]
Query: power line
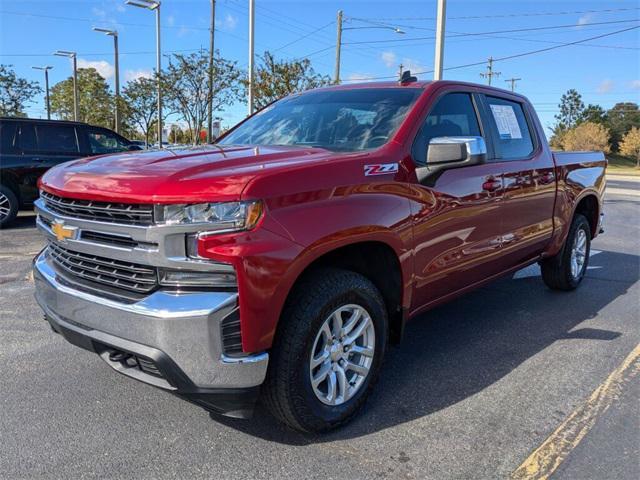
[467,34]
[512,15]
[523,54]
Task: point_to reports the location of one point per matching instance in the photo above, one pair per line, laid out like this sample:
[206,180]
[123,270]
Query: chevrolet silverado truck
[281,261]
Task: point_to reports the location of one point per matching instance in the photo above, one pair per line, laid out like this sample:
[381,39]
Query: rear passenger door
[44,145]
[528,178]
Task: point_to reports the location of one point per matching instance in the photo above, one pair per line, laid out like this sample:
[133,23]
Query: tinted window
[341,120]
[452,116]
[514,136]
[28,140]
[57,138]
[8,137]
[103,141]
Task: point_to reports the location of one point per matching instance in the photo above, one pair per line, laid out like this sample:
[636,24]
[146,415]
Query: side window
[514,135]
[57,138]
[452,116]
[8,143]
[28,139]
[103,141]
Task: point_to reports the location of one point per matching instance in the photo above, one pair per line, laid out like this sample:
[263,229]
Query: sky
[604,70]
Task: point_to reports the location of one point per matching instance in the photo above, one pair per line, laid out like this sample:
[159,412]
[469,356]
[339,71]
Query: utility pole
[114,34]
[211,53]
[72,55]
[46,83]
[513,83]
[336,76]
[252,7]
[400,71]
[490,73]
[154,5]
[439,54]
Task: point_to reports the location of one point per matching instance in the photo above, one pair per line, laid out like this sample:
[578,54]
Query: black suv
[28,147]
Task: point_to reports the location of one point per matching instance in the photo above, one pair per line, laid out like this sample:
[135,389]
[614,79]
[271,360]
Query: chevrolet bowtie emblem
[63,232]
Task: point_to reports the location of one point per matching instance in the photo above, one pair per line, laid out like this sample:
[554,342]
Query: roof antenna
[407,77]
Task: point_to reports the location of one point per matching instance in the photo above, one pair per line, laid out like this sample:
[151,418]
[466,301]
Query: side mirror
[452,152]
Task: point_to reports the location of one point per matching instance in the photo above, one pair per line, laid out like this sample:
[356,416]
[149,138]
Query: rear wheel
[8,205]
[328,351]
[566,270]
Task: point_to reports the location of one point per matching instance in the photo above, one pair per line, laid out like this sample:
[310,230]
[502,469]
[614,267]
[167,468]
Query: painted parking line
[622,191]
[548,456]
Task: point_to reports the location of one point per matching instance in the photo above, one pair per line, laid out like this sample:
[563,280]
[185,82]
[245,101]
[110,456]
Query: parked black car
[29,147]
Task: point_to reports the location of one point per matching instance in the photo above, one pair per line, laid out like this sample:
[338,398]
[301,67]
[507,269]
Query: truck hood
[174,176]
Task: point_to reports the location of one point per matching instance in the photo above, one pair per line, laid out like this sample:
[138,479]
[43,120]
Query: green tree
[594,114]
[630,144]
[620,119]
[15,92]
[185,83]
[275,79]
[141,104]
[96,105]
[571,108]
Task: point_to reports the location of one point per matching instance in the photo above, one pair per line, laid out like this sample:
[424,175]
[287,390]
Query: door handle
[491,184]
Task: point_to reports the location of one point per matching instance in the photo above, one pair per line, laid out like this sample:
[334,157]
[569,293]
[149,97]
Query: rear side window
[452,116]
[57,138]
[8,143]
[514,136]
[28,140]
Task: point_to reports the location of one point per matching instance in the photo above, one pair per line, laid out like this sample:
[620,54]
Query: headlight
[224,216]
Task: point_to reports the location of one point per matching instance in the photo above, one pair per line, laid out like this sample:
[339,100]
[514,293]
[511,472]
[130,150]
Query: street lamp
[114,34]
[154,5]
[339,40]
[46,83]
[72,55]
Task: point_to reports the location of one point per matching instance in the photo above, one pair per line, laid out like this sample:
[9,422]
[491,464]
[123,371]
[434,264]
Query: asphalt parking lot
[475,388]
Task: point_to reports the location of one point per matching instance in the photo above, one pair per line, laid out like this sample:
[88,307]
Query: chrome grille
[124,213]
[113,273]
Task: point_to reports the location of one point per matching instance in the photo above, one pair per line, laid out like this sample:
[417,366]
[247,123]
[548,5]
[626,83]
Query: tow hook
[118,356]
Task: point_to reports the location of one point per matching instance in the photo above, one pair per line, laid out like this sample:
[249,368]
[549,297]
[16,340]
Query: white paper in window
[506,121]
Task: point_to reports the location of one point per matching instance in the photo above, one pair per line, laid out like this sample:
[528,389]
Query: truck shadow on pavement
[459,349]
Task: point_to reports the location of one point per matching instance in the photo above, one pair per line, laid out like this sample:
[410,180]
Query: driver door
[456,215]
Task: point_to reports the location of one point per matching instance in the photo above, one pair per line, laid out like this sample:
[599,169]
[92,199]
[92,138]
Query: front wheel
[566,270]
[328,351]
[8,206]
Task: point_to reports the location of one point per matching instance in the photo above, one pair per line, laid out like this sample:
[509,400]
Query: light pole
[252,8]
[439,54]
[154,5]
[114,34]
[46,83]
[72,55]
[211,52]
[340,29]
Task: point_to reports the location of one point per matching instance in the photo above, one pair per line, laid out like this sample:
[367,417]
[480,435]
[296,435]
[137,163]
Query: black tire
[556,271]
[287,391]
[8,206]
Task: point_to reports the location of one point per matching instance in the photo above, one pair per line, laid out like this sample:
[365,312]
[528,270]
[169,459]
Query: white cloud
[103,67]
[135,74]
[389,58]
[412,64]
[605,86]
[359,77]
[171,20]
[635,84]
[230,21]
[586,18]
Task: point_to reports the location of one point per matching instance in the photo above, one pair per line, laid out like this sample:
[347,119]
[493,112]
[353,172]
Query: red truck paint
[473,225]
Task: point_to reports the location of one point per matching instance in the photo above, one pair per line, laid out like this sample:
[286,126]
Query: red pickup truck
[282,260]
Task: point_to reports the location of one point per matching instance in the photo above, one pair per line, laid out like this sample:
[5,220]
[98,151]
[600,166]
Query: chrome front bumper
[182,331]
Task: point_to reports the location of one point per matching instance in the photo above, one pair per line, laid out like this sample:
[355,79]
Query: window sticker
[506,121]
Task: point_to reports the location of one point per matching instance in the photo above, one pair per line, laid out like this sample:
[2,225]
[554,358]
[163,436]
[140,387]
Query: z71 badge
[380,169]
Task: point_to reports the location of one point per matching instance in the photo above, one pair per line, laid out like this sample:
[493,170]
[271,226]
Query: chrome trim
[165,245]
[185,326]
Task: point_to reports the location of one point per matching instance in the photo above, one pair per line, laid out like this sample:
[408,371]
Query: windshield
[340,120]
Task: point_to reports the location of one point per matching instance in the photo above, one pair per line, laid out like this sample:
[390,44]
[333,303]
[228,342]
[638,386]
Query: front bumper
[176,336]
